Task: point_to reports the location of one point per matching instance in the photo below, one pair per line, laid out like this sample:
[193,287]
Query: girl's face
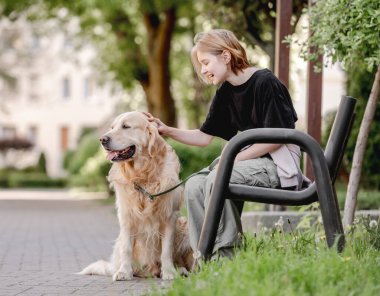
[213,68]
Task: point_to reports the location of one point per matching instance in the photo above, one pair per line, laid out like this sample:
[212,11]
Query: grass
[296,263]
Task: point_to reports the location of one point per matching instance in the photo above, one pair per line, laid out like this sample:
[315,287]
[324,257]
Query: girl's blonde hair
[215,42]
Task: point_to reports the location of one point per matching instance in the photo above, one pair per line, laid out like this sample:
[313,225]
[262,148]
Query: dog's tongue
[111,155]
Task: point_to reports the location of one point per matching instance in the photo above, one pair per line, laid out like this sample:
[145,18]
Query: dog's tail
[100,267]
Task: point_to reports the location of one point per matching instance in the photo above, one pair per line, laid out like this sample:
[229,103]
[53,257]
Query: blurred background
[67,68]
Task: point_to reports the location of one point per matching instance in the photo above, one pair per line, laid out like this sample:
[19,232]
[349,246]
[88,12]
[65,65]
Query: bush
[92,175]
[29,177]
[194,158]
[67,158]
[367,199]
[41,164]
[5,173]
[40,167]
[87,148]
[90,183]
[33,180]
[4,182]
[359,82]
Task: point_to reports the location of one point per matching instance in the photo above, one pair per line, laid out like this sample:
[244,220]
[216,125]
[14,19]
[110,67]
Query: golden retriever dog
[153,238]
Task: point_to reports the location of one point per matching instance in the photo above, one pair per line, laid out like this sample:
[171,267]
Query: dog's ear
[152,137]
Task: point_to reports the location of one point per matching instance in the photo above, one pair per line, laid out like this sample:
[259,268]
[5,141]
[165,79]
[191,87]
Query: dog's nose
[105,140]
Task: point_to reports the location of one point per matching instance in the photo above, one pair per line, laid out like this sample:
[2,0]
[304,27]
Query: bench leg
[330,214]
[211,223]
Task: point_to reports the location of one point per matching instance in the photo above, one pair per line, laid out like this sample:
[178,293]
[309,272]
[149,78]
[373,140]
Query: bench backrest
[339,135]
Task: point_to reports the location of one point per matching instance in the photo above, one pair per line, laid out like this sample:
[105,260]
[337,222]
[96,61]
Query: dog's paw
[183,272]
[122,275]
[168,273]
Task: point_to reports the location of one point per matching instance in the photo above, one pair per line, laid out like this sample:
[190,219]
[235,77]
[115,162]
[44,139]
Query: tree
[359,83]
[8,82]
[254,20]
[132,52]
[348,31]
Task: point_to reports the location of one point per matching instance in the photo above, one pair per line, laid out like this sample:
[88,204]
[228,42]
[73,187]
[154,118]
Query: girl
[246,98]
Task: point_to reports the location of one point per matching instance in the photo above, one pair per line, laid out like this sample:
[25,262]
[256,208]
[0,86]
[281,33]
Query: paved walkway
[43,243]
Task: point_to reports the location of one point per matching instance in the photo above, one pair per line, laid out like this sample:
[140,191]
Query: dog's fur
[153,238]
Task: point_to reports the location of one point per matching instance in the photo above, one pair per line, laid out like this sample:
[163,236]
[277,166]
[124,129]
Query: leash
[152,197]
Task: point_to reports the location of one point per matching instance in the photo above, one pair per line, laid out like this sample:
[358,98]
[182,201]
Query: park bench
[325,167]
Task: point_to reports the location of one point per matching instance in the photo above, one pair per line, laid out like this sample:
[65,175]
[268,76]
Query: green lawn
[292,264]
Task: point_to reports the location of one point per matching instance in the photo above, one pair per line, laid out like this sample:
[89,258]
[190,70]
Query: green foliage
[87,165]
[346,31]
[296,263]
[359,82]
[114,26]
[29,177]
[131,37]
[367,199]
[41,164]
[69,154]
[34,180]
[92,175]
[193,158]
[372,227]
[88,147]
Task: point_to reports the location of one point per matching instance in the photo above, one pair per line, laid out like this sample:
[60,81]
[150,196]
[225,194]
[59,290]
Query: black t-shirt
[262,101]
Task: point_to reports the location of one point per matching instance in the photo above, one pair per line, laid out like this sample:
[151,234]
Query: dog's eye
[126,126]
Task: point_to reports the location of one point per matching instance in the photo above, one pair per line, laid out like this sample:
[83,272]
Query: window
[9,90]
[33,87]
[32,134]
[8,132]
[35,42]
[88,87]
[66,88]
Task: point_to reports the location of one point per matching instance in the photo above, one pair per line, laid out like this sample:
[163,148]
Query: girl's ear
[226,55]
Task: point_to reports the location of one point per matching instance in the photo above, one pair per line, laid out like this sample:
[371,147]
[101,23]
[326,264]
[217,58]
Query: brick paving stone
[44,243]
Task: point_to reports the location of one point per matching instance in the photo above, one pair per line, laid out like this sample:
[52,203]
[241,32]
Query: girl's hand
[162,128]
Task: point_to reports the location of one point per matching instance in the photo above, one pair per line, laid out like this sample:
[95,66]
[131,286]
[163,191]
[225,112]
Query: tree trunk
[361,142]
[157,86]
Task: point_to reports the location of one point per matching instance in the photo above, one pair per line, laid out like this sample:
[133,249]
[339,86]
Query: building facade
[55,93]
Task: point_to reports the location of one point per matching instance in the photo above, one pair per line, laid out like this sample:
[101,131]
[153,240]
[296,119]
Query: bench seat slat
[272,196]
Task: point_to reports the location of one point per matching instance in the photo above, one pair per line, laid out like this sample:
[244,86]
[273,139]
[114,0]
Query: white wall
[39,102]
[333,81]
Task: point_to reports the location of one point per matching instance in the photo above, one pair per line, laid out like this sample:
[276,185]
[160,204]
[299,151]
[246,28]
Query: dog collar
[143,191]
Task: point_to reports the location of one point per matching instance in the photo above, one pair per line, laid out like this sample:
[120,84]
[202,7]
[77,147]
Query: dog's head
[131,133]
